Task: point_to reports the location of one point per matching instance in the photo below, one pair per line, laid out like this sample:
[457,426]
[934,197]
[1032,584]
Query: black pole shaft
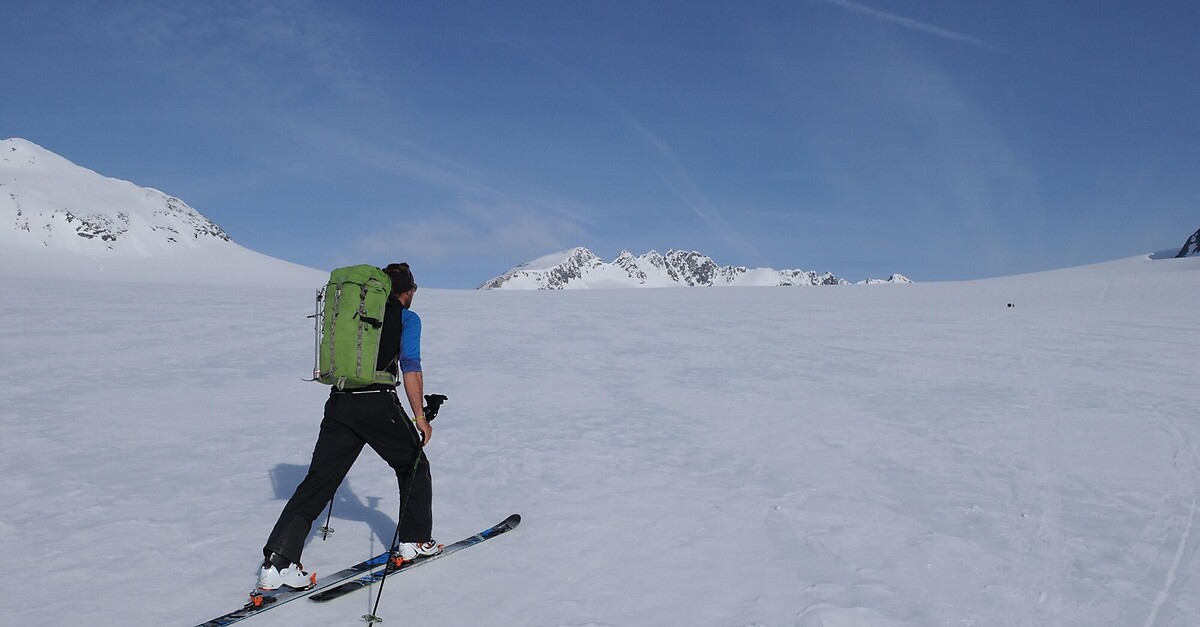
[328,517]
[374,615]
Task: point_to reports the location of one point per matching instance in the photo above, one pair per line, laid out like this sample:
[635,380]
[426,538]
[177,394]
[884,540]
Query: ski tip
[513,521]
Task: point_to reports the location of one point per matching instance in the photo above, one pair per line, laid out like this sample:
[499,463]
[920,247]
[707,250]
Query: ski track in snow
[1186,461]
[892,456]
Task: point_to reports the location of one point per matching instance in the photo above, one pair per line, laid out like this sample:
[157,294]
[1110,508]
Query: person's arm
[414,388]
[413,377]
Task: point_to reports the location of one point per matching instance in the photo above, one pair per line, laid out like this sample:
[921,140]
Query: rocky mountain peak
[1191,248]
[61,220]
[53,203]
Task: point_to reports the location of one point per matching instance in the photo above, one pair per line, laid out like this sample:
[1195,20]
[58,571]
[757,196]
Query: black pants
[352,420]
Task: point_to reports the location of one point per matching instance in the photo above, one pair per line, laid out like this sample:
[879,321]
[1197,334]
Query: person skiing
[374,416]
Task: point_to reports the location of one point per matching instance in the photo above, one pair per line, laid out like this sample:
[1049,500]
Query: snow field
[818,457]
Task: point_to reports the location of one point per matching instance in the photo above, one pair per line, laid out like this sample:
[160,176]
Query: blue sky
[944,140]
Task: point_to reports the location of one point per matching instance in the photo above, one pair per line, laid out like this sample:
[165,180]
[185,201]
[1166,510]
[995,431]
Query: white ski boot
[270,577]
[409,551]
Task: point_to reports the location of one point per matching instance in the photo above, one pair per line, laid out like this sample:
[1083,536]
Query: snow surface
[811,458]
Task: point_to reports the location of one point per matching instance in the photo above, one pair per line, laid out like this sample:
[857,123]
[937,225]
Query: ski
[334,592]
[263,600]
[369,570]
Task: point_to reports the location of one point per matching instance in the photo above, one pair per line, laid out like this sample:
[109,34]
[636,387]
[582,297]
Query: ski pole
[326,530]
[373,617]
[435,404]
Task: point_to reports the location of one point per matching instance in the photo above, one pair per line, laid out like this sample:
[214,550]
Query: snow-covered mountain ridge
[580,268]
[51,200]
[58,219]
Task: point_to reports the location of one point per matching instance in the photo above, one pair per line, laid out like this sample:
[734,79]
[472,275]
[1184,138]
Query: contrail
[906,22]
[685,188]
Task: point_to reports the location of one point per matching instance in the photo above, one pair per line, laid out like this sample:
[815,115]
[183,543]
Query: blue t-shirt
[410,342]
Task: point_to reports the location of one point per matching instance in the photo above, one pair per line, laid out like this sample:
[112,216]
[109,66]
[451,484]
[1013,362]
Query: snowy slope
[59,220]
[811,458]
[580,268]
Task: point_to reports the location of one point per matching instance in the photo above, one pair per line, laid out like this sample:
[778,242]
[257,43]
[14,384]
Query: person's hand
[425,428]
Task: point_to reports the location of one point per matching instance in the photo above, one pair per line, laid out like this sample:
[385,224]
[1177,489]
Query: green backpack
[349,322]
